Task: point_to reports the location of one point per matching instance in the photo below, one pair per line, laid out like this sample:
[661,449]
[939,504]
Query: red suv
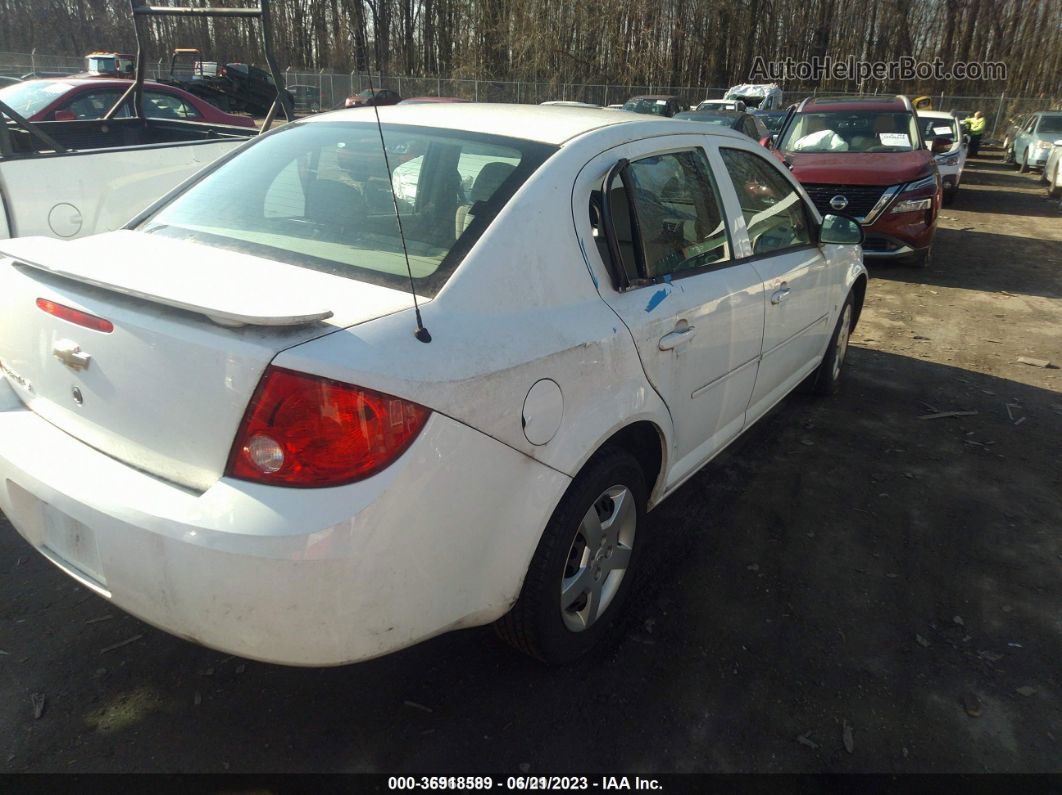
[865,157]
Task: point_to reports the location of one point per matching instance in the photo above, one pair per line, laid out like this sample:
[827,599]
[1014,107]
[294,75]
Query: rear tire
[826,380]
[585,563]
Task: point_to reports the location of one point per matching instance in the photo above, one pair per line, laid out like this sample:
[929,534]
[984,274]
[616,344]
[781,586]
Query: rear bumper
[438,541]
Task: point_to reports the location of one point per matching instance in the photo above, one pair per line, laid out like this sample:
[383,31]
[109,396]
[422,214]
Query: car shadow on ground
[985,261]
[844,564]
[981,180]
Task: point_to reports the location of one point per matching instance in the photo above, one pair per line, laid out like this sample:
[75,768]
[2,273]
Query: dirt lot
[847,564]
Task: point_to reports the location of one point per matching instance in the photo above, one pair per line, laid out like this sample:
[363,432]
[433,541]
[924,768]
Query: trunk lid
[165,390]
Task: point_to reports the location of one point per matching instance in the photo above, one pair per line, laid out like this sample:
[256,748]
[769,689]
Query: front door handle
[676,338]
[780,294]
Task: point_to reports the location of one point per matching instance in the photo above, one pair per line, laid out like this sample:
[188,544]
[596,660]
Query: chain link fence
[324,89]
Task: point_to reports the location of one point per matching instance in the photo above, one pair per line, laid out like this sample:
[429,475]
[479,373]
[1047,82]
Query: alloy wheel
[843,334]
[598,558]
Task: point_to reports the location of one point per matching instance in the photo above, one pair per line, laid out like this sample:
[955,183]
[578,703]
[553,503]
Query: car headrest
[489,180]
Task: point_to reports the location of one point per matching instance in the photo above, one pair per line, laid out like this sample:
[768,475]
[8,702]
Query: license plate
[71,541]
[66,541]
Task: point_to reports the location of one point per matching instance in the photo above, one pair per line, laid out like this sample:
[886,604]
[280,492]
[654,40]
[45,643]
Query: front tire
[1024,167]
[584,566]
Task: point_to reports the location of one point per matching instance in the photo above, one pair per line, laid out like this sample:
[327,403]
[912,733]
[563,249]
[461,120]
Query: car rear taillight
[307,431]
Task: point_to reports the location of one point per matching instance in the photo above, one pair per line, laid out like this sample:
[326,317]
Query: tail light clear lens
[306,431]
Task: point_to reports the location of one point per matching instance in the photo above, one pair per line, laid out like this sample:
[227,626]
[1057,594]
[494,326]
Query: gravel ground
[851,588]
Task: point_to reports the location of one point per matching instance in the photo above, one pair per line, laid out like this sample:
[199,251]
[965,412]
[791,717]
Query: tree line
[663,42]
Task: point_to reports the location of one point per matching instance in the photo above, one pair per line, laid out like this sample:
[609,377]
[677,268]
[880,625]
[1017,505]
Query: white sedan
[226,419]
[951,161]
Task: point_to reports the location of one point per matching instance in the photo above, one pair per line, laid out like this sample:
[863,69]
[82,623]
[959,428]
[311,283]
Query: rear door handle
[676,338]
[780,294]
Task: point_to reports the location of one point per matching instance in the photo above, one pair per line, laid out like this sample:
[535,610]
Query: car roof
[934,114]
[545,124]
[101,82]
[653,96]
[872,102]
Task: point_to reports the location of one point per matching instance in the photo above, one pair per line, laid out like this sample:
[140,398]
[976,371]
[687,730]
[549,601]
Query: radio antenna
[421,333]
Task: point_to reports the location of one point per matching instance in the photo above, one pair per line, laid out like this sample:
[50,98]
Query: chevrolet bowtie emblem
[70,354]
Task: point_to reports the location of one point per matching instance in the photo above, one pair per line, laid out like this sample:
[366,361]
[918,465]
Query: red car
[90,98]
[865,157]
[368,97]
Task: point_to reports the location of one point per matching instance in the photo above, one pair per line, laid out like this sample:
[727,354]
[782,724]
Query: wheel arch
[859,294]
[644,440]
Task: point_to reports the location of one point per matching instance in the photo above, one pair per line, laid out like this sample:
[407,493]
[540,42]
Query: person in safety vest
[976,125]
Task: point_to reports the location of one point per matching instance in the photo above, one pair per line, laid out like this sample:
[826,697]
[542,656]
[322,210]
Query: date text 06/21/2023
[604,783]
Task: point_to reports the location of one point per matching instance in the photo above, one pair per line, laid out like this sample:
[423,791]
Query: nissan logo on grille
[838,202]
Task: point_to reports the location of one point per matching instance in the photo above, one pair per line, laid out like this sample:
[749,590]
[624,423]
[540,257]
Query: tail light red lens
[306,431]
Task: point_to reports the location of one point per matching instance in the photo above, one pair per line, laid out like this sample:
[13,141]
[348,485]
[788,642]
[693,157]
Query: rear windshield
[319,196]
[32,96]
[1049,124]
[707,118]
[657,107]
[843,131]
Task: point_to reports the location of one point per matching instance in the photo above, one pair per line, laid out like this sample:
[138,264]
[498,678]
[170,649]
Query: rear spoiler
[219,305]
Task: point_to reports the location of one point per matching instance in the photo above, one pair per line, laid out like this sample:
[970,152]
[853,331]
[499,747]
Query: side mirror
[940,145]
[766,141]
[65,115]
[840,230]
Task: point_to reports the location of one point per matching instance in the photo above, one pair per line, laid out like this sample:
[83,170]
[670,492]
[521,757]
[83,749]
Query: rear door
[775,230]
[694,312]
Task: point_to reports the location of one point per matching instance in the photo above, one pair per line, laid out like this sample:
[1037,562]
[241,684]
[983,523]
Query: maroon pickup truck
[865,157]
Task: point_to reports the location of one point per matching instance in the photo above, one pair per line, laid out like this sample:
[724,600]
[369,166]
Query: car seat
[490,178]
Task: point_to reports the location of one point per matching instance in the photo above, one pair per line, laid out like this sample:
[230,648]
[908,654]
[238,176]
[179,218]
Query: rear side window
[665,217]
[774,213]
[319,196]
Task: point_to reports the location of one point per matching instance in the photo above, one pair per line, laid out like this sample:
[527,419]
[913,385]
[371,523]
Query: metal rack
[259,11]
